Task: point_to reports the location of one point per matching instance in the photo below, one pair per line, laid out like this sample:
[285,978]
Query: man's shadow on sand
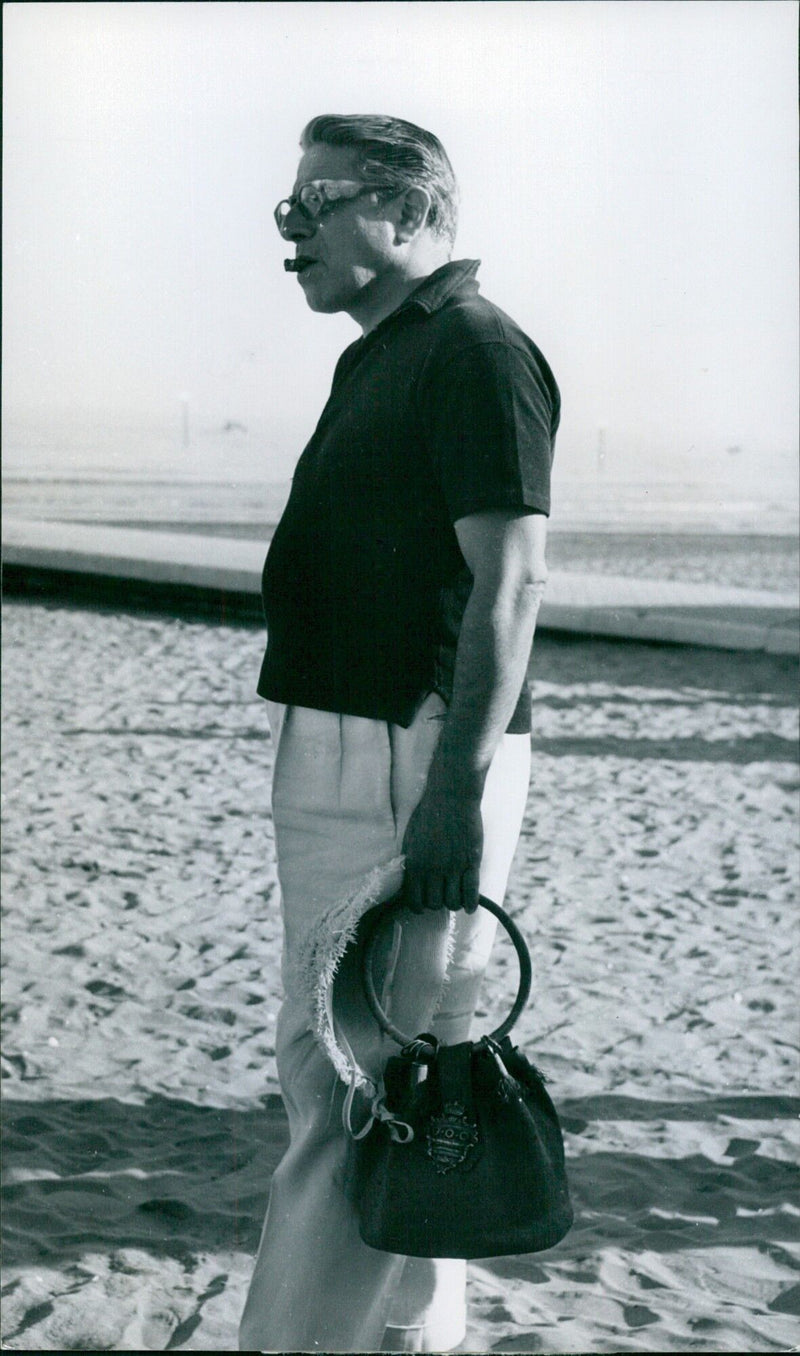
[175,1179]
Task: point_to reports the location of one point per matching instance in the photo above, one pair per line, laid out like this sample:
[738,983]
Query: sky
[628,179]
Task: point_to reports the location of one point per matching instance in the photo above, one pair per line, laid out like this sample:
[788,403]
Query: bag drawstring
[400,1131]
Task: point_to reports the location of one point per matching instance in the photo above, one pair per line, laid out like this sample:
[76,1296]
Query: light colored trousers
[343,790]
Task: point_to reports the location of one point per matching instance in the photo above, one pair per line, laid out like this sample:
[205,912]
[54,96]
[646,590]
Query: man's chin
[326,294]
[317,297]
[319,302]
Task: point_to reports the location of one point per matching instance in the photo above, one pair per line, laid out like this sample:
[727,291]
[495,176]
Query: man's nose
[297,226]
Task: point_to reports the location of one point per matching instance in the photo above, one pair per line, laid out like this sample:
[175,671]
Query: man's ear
[411,213]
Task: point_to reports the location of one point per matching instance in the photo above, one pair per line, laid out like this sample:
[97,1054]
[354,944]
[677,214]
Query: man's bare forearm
[493,651]
[443,843]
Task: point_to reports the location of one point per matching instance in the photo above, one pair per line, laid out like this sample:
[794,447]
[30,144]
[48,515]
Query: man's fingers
[470,889]
[413,893]
[452,893]
[434,892]
[423,892]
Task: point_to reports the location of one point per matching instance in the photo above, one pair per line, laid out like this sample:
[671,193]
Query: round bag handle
[372,924]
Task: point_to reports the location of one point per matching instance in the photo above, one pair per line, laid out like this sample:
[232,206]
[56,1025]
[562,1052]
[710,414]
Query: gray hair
[394,152]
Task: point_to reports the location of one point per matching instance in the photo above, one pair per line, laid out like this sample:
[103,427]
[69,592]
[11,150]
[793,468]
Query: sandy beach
[656,882]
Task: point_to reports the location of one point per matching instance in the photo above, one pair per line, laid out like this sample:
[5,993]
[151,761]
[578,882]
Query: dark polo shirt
[445,409]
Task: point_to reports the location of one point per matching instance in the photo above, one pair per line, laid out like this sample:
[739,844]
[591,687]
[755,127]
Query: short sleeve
[490,415]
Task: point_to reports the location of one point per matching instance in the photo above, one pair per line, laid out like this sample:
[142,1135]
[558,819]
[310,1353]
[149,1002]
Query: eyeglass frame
[295,202]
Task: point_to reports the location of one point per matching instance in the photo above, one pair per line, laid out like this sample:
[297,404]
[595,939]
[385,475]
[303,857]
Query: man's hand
[443,845]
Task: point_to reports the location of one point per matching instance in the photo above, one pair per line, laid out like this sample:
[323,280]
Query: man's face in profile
[349,245]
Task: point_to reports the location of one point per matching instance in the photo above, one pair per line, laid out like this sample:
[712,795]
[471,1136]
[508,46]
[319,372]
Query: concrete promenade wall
[222,576]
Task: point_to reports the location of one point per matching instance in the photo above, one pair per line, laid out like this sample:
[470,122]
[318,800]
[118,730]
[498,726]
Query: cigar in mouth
[292,265]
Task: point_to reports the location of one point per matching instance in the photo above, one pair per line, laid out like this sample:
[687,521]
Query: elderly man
[401,591]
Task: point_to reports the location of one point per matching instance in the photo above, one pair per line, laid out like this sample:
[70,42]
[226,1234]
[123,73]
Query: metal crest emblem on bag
[451,1136]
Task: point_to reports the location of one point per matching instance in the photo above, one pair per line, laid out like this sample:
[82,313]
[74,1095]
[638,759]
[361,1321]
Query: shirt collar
[440,285]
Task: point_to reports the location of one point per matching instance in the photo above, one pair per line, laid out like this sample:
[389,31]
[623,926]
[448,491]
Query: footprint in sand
[638,1315]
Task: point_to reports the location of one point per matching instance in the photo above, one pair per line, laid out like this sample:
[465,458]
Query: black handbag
[466,1158]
